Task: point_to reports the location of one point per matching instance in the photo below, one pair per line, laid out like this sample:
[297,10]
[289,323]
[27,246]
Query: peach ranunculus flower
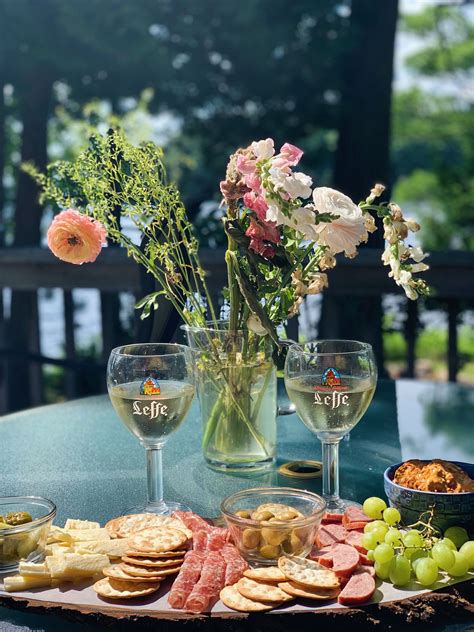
[76,238]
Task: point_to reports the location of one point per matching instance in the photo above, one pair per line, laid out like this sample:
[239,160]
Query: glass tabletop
[80,455]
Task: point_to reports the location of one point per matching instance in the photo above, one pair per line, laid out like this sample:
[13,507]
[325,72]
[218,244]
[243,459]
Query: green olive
[243,513]
[270,551]
[274,536]
[292,545]
[251,538]
[262,514]
[18,517]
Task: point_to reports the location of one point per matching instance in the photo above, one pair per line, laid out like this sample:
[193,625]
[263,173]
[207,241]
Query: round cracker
[179,553]
[110,589]
[308,573]
[125,526]
[261,592]
[231,597]
[161,562]
[308,593]
[118,574]
[142,571]
[158,539]
[265,574]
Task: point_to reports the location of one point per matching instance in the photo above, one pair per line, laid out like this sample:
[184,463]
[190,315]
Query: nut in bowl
[450,508]
[266,523]
[24,526]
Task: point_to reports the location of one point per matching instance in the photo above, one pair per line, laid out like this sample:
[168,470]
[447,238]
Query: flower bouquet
[283,237]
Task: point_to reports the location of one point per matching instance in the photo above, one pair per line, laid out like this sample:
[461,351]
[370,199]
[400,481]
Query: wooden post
[411,334]
[453,358]
[70,375]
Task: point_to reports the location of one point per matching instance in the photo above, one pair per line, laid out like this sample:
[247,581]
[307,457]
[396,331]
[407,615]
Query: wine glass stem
[154,467]
[330,471]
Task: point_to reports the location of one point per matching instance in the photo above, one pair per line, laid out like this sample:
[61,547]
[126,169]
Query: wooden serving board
[80,600]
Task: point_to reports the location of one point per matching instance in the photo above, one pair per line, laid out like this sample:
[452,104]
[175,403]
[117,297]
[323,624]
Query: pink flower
[261,248]
[289,156]
[266,231]
[256,203]
[76,238]
[253,182]
[246,165]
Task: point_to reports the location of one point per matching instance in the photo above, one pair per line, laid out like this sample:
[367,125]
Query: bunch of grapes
[396,554]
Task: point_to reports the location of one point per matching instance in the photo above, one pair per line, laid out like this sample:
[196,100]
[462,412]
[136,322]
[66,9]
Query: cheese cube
[29,569]
[17,583]
[87,535]
[74,565]
[112,548]
[57,534]
[71,523]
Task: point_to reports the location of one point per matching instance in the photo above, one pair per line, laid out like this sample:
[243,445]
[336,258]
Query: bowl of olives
[267,523]
[24,526]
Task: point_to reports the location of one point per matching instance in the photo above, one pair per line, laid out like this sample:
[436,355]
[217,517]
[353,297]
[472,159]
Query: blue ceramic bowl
[449,509]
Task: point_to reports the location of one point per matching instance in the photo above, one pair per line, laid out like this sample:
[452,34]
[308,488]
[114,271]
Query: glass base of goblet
[166,508]
[339,505]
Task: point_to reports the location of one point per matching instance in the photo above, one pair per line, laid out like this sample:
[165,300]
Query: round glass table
[81,456]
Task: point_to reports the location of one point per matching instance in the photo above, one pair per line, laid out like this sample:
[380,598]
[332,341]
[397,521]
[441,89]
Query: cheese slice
[112,548]
[71,523]
[74,565]
[61,548]
[87,535]
[29,569]
[57,534]
[17,583]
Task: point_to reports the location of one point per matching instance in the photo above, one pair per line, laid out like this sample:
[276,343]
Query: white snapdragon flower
[255,324]
[318,282]
[327,261]
[301,219]
[346,231]
[263,149]
[412,225]
[296,185]
[419,267]
[417,254]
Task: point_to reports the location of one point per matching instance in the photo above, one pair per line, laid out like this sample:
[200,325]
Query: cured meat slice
[354,514]
[200,540]
[211,582]
[363,568]
[354,538]
[192,520]
[355,526]
[328,534]
[364,559]
[217,538]
[235,564]
[186,579]
[329,518]
[359,588]
[345,559]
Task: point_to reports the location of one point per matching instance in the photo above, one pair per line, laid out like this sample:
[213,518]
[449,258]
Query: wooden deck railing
[450,275]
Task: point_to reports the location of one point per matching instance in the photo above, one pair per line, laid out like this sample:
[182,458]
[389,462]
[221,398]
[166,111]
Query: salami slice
[345,559]
[330,534]
[235,564]
[200,540]
[359,589]
[355,526]
[329,518]
[217,538]
[211,582]
[186,579]
[192,520]
[354,538]
[354,514]
[363,568]
[364,559]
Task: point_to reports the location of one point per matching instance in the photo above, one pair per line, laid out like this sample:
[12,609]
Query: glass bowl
[262,542]
[25,541]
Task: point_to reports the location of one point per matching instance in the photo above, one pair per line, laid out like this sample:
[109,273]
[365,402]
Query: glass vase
[236,385]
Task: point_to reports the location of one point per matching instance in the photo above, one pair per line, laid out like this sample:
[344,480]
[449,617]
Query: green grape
[369,541]
[370,555]
[393,537]
[458,535]
[416,556]
[375,524]
[412,552]
[383,553]
[379,534]
[443,556]
[400,570]
[460,566]
[373,507]
[426,571]
[382,570]
[413,538]
[449,543]
[391,516]
[467,552]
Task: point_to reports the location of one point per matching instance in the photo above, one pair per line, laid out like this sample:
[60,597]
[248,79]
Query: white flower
[417,253]
[318,283]
[263,149]
[345,232]
[419,267]
[255,324]
[301,219]
[295,184]
[275,215]
[412,225]
[327,261]
[369,222]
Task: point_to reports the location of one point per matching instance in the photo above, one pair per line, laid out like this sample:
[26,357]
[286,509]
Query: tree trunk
[363,151]
[25,379]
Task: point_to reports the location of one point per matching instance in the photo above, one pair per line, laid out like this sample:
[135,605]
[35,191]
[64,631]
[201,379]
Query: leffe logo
[331,391]
[154,408]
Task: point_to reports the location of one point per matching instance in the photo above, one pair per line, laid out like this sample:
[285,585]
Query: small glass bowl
[262,543]
[25,541]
